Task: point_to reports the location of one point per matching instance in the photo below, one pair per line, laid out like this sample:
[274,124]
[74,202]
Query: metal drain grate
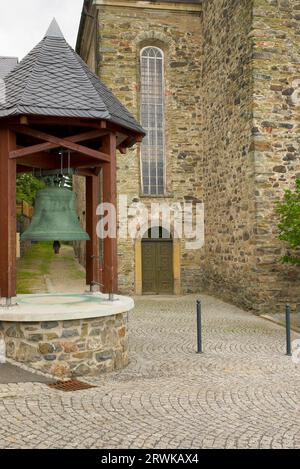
[69,386]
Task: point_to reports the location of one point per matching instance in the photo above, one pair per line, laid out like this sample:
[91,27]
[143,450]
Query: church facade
[215,84]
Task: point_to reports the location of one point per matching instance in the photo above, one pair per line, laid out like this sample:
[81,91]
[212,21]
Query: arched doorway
[157,262]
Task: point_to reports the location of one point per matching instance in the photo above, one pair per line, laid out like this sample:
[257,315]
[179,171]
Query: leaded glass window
[152,118]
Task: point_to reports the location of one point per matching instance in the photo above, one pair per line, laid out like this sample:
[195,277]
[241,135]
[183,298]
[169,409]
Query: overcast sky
[23,23]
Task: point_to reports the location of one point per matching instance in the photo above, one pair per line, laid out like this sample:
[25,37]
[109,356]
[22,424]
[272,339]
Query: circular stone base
[66,347]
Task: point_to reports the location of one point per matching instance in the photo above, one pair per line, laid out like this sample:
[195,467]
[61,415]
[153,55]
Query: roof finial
[54,30]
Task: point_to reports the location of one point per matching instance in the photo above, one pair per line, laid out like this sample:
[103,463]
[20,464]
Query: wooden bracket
[53,142]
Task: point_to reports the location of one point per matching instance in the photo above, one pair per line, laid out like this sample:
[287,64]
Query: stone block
[49,325]
[70,333]
[27,353]
[71,355]
[46,348]
[104,356]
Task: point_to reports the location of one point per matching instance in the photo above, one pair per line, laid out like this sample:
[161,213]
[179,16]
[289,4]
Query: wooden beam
[128,142]
[8,215]
[139,138]
[97,170]
[26,151]
[128,132]
[79,171]
[85,172]
[49,161]
[56,142]
[92,246]
[110,274]
[122,150]
[122,132]
[63,121]
[24,120]
[23,169]
[39,161]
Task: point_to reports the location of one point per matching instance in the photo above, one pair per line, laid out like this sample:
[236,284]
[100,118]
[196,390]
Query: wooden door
[157,267]
[165,267]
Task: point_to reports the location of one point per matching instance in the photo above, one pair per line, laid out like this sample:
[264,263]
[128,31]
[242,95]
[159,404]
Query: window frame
[163,126]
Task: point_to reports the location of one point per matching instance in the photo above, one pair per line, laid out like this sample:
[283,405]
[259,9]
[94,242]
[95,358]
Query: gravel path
[66,275]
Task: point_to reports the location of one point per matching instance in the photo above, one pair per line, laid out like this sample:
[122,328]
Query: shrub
[289,226]
[27,188]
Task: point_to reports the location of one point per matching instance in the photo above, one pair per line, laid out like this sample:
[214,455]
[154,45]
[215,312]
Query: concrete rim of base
[64,307]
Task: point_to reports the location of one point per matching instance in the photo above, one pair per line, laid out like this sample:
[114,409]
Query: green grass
[78,274]
[37,263]
[24,281]
[34,265]
[74,272]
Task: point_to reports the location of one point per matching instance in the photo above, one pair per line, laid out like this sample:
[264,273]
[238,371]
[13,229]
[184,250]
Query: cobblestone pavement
[243,392]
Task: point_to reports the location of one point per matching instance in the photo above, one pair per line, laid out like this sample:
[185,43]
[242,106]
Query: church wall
[276,139]
[251,75]
[227,88]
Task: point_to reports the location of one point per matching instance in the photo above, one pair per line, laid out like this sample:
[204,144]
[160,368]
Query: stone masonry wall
[67,349]
[276,140]
[251,78]
[228,164]
[123,32]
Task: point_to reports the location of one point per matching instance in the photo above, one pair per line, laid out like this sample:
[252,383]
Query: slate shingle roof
[52,80]
[6,65]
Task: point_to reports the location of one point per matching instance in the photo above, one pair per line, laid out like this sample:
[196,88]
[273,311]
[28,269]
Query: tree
[289,226]
[27,188]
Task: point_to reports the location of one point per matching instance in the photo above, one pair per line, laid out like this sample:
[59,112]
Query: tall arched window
[152,117]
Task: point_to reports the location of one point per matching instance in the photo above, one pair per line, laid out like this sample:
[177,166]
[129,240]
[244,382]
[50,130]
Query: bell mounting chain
[59,173]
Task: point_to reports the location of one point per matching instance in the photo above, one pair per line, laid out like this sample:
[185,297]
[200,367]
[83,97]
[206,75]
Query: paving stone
[243,392]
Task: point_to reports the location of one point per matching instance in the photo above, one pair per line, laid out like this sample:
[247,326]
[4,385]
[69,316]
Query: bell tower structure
[45,111]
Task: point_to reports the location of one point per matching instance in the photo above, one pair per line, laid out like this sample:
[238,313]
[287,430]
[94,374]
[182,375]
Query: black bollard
[288,330]
[199,328]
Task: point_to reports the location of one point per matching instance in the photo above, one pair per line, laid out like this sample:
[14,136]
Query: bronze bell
[55,218]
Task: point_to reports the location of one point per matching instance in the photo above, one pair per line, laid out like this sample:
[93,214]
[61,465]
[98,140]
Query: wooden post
[110,254]
[8,216]
[92,246]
